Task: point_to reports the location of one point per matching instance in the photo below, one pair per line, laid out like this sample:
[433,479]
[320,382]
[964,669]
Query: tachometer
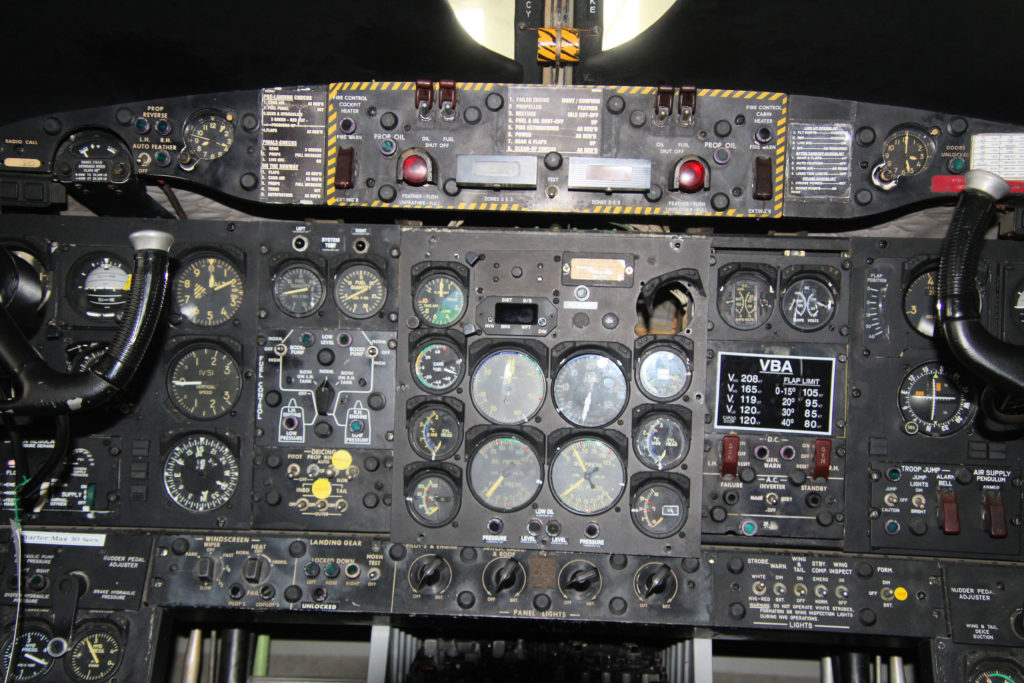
[508,387]
[590,390]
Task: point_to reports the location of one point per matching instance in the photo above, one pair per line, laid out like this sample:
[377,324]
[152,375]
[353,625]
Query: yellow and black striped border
[757,95]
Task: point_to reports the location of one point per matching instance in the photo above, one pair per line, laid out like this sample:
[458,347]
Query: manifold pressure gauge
[587,476]
[505,474]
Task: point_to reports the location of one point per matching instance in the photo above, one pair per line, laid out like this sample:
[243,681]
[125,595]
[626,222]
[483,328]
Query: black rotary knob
[430,574]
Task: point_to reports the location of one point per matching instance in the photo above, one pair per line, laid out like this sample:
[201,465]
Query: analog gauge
[587,476]
[29,660]
[99,285]
[508,387]
[360,291]
[208,291]
[201,473]
[659,509]
[746,300]
[94,655]
[204,383]
[921,302]
[437,365]
[440,300]
[808,303]
[504,474]
[435,432]
[298,289]
[876,318]
[209,136]
[433,500]
[589,390]
[996,671]
[663,373]
[661,441]
[935,401]
[906,153]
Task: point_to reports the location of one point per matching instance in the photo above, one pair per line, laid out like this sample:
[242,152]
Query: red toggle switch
[663,101]
[995,515]
[949,515]
[692,175]
[424,95]
[822,458]
[730,455]
[446,94]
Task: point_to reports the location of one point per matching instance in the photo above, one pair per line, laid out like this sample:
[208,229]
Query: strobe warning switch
[949,514]
[730,455]
[822,458]
[995,515]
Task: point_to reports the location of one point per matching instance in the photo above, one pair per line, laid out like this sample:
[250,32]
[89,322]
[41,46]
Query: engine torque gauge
[437,365]
[26,658]
[808,303]
[208,291]
[435,432]
[200,473]
[298,289]
[440,300]
[209,136]
[360,291]
[935,401]
[98,285]
[590,390]
[587,476]
[433,499]
[508,387]
[659,509]
[663,373]
[204,383]
[94,655]
[746,300]
[661,440]
[504,474]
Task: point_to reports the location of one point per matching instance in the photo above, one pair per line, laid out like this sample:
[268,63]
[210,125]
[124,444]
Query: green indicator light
[749,528]
[306,339]
[893,474]
[957,164]
[311,569]
[332,570]
[892,527]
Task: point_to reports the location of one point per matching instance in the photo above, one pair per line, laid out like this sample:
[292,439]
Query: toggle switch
[949,514]
[995,515]
[822,458]
[730,455]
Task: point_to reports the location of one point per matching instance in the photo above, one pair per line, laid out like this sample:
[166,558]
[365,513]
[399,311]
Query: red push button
[822,458]
[415,170]
[692,176]
[995,515]
[949,514]
[730,455]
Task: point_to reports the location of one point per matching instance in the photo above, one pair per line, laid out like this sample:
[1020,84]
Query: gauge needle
[222,285]
[586,407]
[184,383]
[579,460]
[433,509]
[295,291]
[494,487]
[573,487]
[35,659]
[660,520]
[510,367]
[361,290]
[92,651]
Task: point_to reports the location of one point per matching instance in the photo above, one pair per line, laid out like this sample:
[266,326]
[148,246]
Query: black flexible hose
[60,448]
[40,390]
[993,360]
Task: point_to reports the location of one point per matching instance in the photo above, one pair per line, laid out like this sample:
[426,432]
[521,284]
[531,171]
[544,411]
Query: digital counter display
[775,393]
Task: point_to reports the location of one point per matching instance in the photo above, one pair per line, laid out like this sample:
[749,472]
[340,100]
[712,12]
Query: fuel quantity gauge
[298,289]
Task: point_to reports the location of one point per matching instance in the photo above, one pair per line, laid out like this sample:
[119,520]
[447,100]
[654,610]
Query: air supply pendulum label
[820,159]
[549,119]
[292,144]
[775,393]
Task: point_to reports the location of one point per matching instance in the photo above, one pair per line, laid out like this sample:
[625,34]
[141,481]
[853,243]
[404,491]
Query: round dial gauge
[360,292]
[508,387]
[661,441]
[808,304]
[435,432]
[504,474]
[208,291]
[934,401]
[209,136]
[433,500]
[204,383]
[437,365]
[298,289]
[29,660]
[906,153]
[663,373]
[94,655]
[996,672]
[99,285]
[587,476]
[200,473]
[921,302]
[440,300]
[659,509]
[590,390]
[746,300]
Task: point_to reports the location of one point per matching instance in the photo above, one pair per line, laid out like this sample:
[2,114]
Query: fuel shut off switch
[691,174]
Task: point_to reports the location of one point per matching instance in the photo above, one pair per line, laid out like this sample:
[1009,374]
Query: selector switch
[949,515]
[656,583]
[579,580]
[995,515]
[504,575]
[730,455]
[254,569]
[430,574]
[204,569]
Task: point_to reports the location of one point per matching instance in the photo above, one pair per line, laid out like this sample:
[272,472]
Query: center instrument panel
[744,434]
